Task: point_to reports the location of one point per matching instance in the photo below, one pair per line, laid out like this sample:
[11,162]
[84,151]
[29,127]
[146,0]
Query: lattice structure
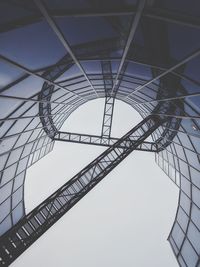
[109,102]
[97,140]
[144,53]
[32,226]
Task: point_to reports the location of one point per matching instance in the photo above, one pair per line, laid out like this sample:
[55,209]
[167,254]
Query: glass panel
[22,165]
[191,69]
[3,160]
[190,87]
[179,6]
[192,158]
[180,46]
[195,195]
[181,154]
[177,235]
[72,71]
[19,179]
[32,50]
[9,173]
[26,88]
[24,137]
[195,216]
[195,177]
[5,225]
[4,128]
[194,237]
[27,108]
[6,191]
[27,149]
[182,219]
[8,74]
[7,106]
[14,156]
[182,263]
[184,168]
[17,213]
[10,12]
[185,186]
[17,196]
[189,254]
[92,67]
[185,202]
[140,71]
[5,209]
[173,245]
[185,140]
[91,29]
[194,103]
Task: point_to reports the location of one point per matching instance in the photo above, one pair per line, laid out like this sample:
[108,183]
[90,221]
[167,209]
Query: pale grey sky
[123,221]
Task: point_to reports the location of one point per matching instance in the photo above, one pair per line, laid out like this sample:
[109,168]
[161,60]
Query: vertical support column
[109,99]
[109,102]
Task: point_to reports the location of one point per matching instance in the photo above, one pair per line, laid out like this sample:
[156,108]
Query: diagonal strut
[16,240]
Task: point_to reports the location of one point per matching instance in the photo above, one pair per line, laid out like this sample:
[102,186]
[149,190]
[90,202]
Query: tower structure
[56,56]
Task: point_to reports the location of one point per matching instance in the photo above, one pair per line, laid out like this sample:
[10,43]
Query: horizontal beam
[153,13]
[100,141]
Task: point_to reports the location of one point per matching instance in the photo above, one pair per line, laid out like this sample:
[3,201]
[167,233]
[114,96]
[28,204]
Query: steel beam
[152,13]
[109,101]
[107,119]
[62,39]
[55,71]
[179,64]
[16,240]
[97,140]
[129,40]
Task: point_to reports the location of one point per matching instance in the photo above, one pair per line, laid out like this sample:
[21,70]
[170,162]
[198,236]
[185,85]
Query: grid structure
[15,241]
[51,58]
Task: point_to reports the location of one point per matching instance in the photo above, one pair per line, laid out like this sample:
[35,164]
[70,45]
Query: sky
[124,221]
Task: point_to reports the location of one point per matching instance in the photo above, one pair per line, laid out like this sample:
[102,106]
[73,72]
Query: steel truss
[97,140]
[111,87]
[109,102]
[109,99]
[91,49]
[16,240]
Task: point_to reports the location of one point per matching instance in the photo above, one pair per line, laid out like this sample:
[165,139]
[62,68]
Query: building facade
[58,55]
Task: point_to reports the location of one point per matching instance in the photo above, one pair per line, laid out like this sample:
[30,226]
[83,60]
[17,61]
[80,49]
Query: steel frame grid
[97,140]
[32,226]
[189,135]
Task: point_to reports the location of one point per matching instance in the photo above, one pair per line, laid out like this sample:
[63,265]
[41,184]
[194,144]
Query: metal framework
[97,140]
[62,39]
[158,14]
[146,55]
[109,102]
[40,219]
